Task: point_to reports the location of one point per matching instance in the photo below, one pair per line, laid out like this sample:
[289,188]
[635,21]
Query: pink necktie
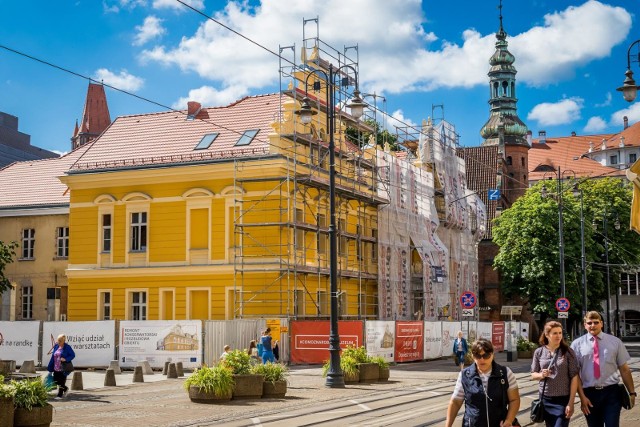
[596,358]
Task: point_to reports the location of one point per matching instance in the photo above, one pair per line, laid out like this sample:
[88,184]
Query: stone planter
[6,412]
[351,378]
[39,416]
[525,354]
[248,386]
[7,368]
[198,396]
[276,389]
[383,373]
[369,372]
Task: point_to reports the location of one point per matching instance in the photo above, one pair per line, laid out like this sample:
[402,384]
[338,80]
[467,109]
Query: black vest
[480,406]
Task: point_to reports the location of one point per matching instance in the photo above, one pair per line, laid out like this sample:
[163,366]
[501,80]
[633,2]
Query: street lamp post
[577,192]
[335,377]
[605,228]
[629,89]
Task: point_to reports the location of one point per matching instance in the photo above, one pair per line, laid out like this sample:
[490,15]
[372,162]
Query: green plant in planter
[525,345]
[348,364]
[238,361]
[271,372]
[217,380]
[379,360]
[6,390]
[28,394]
[357,353]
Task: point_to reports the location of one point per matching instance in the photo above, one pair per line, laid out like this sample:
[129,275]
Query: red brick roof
[168,137]
[95,117]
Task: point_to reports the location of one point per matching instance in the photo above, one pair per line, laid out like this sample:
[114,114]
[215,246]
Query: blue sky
[570,57]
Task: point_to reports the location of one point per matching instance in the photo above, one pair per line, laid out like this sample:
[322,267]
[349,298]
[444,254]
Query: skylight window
[247,137]
[206,141]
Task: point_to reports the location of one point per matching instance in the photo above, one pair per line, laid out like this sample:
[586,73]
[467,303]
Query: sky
[571,55]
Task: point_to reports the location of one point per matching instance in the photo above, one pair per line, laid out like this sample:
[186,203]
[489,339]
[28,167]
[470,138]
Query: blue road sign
[468,299]
[494,194]
[563,304]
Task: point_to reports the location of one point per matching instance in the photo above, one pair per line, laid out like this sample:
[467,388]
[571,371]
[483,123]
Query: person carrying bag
[537,406]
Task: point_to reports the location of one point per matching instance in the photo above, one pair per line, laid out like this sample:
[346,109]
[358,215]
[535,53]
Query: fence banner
[93,342]
[310,339]
[19,341]
[484,330]
[158,341]
[497,336]
[470,330]
[511,333]
[409,339]
[380,338]
[449,334]
[432,340]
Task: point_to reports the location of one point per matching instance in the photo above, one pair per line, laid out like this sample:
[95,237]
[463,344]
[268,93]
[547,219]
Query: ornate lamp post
[335,377]
[629,89]
[578,193]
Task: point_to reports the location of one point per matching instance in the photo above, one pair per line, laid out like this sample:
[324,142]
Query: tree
[7,252]
[382,136]
[527,234]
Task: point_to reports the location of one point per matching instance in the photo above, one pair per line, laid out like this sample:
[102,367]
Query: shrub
[271,372]
[524,344]
[379,360]
[238,361]
[358,353]
[217,380]
[30,393]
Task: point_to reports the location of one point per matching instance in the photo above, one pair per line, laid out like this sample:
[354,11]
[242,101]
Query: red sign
[468,299]
[497,336]
[409,341]
[310,339]
[563,304]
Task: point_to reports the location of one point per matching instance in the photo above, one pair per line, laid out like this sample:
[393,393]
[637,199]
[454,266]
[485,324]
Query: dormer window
[247,137]
[206,141]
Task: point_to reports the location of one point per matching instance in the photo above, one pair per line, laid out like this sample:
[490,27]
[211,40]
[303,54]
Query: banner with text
[310,339]
[93,342]
[449,334]
[19,341]
[380,338]
[158,341]
[484,330]
[409,339]
[497,336]
[432,340]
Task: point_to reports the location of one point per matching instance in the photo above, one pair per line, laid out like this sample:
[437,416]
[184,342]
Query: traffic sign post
[468,299]
[563,304]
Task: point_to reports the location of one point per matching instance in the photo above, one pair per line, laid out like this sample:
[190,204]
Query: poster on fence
[449,334]
[484,330]
[470,330]
[432,340]
[93,342]
[19,341]
[511,335]
[380,338]
[409,339]
[310,339]
[159,341]
[497,336]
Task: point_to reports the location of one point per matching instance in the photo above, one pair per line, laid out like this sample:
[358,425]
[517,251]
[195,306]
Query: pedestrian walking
[555,367]
[61,355]
[225,351]
[253,352]
[460,349]
[267,350]
[276,351]
[603,361]
[489,392]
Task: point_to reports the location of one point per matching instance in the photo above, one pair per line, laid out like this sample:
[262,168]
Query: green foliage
[379,360]
[30,393]
[217,380]
[527,235]
[238,361]
[7,252]
[525,345]
[357,353]
[382,136]
[348,364]
[6,390]
[271,372]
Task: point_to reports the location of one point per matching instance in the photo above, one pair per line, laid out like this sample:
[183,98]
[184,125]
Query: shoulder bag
[67,367]
[537,406]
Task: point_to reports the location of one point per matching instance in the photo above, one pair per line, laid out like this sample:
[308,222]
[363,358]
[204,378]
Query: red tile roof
[168,137]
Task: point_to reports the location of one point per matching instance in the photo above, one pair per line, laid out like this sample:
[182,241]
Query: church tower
[504,128]
[95,117]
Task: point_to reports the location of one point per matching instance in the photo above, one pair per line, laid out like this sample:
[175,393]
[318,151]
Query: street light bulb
[356,105]
[629,89]
[305,112]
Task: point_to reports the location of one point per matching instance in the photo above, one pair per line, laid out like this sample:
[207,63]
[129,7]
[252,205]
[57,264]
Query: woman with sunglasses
[555,363]
[489,392]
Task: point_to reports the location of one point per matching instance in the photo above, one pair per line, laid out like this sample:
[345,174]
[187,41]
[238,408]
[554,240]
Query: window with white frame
[105,305]
[28,243]
[138,305]
[106,233]
[629,284]
[27,302]
[613,160]
[62,242]
[633,157]
[138,231]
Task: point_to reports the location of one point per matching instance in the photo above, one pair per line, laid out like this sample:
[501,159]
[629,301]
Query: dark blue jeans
[606,406]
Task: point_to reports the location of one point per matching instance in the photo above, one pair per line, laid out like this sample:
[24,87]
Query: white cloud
[211,97]
[607,101]
[149,30]
[402,55]
[114,6]
[123,80]
[595,125]
[173,4]
[559,113]
[397,119]
[633,113]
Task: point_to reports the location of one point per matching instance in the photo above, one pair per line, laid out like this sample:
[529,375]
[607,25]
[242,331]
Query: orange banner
[310,339]
[409,341]
[497,336]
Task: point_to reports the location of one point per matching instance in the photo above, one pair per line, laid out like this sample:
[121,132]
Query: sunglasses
[484,356]
[594,322]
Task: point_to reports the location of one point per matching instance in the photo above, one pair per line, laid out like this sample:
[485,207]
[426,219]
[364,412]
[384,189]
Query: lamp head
[629,89]
[305,112]
[356,105]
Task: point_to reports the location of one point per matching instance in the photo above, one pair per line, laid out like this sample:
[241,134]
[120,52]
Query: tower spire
[95,117]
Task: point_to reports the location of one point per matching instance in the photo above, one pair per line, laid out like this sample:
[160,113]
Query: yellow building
[221,213]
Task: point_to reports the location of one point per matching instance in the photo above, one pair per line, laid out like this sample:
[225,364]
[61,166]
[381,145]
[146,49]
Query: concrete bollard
[166,368]
[146,367]
[28,367]
[115,366]
[110,378]
[76,381]
[138,377]
[180,369]
[172,372]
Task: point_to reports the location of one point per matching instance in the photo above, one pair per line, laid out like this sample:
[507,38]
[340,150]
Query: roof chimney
[529,138]
[573,133]
[542,137]
[604,144]
[621,142]
[193,108]
[625,119]
[591,145]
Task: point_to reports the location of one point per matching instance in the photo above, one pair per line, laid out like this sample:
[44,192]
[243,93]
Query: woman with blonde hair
[60,354]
